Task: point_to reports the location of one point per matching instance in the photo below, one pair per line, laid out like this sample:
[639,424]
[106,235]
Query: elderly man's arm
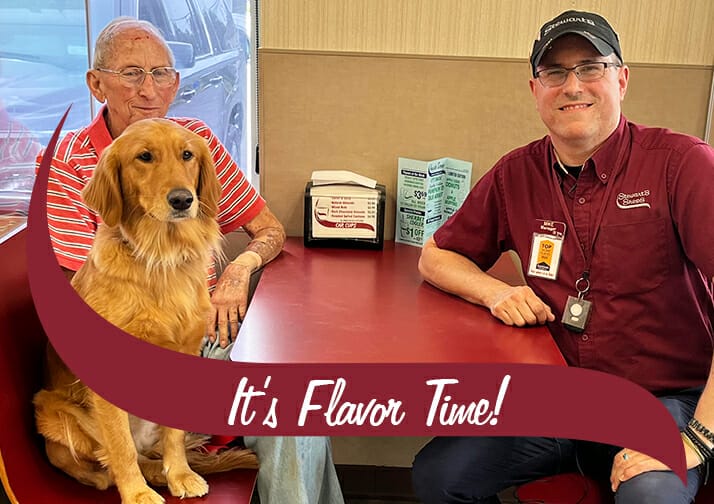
[456,274]
[267,239]
[230,299]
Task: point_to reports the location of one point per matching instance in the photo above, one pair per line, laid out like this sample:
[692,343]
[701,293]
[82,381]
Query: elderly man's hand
[230,300]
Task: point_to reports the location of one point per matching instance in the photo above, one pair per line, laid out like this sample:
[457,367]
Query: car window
[153,11]
[223,30]
[177,21]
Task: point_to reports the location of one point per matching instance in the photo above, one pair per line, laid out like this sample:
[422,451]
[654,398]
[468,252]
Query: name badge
[546,247]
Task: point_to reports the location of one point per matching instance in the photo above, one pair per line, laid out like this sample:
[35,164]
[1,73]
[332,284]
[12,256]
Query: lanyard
[582,284]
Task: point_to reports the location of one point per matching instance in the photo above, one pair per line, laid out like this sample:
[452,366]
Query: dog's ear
[209,189]
[103,192]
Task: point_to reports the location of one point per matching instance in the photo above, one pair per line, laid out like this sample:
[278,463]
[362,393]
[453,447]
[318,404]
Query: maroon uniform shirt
[640,218]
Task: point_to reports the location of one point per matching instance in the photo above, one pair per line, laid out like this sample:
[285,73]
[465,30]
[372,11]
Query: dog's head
[155,169]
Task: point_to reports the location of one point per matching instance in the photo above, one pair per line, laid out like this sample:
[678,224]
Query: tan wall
[458,86]
[361,112]
[651,31]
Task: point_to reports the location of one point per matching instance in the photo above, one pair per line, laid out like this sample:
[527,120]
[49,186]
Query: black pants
[475,469]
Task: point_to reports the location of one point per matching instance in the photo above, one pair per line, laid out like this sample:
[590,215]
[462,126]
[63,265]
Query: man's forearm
[267,243]
[267,240]
[457,275]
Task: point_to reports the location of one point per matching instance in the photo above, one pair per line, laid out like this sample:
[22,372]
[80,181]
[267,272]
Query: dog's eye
[145,156]
[187,155]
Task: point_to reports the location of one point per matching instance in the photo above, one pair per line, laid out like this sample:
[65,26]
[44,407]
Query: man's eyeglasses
[585,72]
[134,76]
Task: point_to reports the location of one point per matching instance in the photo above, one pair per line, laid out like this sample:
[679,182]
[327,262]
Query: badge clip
[577,309]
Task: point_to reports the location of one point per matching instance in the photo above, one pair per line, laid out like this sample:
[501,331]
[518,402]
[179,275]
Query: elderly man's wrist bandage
[249,259]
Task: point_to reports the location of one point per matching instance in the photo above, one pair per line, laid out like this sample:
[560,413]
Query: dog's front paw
[187,484]
[145,496]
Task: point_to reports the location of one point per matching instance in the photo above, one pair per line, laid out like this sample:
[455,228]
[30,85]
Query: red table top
[326,305]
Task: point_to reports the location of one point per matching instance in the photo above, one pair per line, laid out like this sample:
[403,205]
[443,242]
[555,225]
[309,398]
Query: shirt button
[581,201]
[584,337]
[603,176]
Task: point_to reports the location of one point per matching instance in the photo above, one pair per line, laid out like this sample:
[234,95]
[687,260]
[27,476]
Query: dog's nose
[180,199]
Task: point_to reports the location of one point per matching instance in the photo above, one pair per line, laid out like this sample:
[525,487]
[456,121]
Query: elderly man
[612,222]
[133,75]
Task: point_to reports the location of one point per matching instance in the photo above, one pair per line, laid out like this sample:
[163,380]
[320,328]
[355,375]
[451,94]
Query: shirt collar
[604,158]
[607,155]
[99,135]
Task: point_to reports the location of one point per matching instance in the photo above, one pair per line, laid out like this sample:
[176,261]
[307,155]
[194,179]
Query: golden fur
[156,190]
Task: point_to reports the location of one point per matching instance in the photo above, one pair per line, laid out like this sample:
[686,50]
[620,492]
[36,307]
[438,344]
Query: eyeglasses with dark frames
[585,72]
[134,76]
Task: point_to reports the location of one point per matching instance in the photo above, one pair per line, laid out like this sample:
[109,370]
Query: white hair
[103,47]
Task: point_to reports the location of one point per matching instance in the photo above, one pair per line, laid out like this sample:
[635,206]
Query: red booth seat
[26,475]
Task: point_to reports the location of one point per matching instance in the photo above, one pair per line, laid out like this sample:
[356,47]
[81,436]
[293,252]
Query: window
[221,25]
[42,54]
[44,57]
[183,23]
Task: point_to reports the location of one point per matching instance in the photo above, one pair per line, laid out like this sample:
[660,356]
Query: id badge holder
[546,248]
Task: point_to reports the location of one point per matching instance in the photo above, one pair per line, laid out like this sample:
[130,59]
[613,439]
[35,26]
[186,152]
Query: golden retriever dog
[156,190]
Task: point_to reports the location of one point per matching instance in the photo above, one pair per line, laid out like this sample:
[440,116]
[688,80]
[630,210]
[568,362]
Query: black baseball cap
[593,27]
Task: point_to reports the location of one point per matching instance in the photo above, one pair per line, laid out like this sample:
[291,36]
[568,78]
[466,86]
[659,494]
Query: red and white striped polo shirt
[72,224]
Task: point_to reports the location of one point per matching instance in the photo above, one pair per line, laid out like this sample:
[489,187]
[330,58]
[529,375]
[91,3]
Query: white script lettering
[340,412]
[475,413]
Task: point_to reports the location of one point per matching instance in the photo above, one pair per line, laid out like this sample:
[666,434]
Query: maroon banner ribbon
[218,397]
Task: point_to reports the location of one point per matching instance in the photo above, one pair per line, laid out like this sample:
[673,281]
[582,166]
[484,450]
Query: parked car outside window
[44,57]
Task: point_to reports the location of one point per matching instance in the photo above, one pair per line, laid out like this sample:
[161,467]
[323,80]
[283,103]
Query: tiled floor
[506,497]
[387,485]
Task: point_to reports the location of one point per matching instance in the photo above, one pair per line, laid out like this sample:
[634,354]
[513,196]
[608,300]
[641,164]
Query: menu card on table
[343,209]
[428,193]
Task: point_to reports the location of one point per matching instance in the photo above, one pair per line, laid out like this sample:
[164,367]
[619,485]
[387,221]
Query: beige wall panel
[669,96]
[361,112]
[651,31]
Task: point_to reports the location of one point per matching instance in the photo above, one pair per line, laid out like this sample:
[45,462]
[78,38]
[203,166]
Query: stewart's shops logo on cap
[567,20]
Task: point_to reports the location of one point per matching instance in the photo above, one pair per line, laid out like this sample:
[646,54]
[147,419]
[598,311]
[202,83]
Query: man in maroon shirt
[613,224]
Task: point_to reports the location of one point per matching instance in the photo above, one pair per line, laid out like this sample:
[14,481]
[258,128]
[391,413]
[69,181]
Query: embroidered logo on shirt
[633,200]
